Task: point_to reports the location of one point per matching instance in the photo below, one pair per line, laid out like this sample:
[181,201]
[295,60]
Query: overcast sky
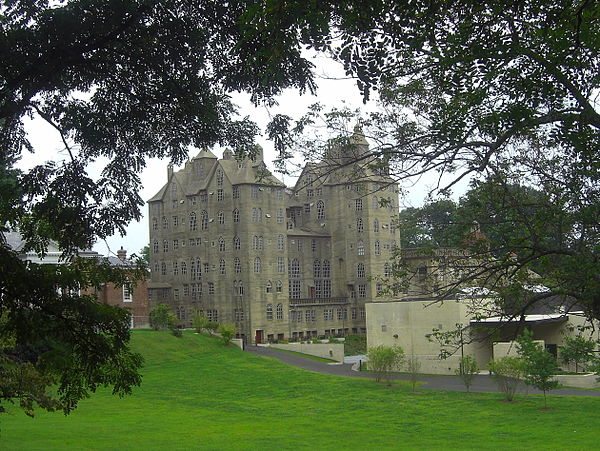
[334,91]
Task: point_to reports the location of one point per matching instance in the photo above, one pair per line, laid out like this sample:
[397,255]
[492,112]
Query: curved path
[453,383]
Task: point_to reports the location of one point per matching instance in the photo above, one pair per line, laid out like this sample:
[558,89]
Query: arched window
[240,288]
[269,311]
[237,265]
[280,242]
[165,222]
[360,270]
[359,225]
[376,225]
[360,246]
[386,270]
[221,244]
[237,243]
[257,266]
[219,177]
[254,214]
[221,217]
[222,269]
[236,215]
[269,286]
[320,210]
[317,268]
[279,311]
[295,268]
[204,220]
[260,243]
[154,224]
[326,269]
[155,247]
[165,245]
[279,287]
[193,222]
[255,243]
[377,248]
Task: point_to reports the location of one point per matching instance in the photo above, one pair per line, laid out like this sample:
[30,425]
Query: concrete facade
[410,324]
[230,241]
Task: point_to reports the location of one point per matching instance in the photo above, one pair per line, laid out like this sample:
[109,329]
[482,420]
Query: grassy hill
[197,394]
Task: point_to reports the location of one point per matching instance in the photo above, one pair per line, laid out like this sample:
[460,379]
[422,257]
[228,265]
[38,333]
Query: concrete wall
[409,324]
[579,381]
[333,351]
[508,348]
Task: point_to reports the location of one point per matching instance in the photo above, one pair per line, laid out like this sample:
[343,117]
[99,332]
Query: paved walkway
[452,383]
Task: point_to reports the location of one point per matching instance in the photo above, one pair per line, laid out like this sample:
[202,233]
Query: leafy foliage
[384,359]
[467,370]
[227,331]
[413,367]
[200,323]
[161,317]
[540,365]
[577,350]
[507,372]
[62,346]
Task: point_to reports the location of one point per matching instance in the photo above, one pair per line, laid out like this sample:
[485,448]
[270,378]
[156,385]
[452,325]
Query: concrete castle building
[231,241]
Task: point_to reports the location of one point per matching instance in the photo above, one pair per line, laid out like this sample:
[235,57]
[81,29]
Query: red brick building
[132,298]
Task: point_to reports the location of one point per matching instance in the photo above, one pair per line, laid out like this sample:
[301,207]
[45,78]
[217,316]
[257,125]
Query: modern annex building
[232,242]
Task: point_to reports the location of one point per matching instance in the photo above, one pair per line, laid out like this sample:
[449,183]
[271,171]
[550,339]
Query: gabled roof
[205,153]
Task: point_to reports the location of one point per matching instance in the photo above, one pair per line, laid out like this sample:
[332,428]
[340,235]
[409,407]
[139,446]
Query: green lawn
[197,394]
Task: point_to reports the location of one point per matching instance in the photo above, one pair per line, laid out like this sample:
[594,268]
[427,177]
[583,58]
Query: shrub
[200,323]
[212,327]
[160,318]
[507,372]
[384,359]
[467,369]
[227,332]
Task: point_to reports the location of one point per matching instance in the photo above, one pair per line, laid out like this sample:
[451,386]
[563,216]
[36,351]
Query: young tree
[577,350]
[227,331]
[507,372]
[382,360]
[413,366]
[540,366]
[467,370]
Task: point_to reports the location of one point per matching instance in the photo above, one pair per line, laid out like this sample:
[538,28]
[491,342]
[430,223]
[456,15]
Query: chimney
[169,171]
[122,254]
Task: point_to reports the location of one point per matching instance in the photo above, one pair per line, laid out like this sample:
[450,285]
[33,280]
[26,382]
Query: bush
[507,372]
[200,323]
[211,327]
[467,369]
[227,332]
[160,318]
[384,359]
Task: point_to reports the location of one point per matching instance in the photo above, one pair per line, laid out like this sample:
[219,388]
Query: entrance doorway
[259,337]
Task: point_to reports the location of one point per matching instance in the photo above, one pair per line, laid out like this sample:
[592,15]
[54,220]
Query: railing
[319,301]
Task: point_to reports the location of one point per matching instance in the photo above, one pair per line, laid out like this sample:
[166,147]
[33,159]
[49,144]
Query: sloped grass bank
[197,394]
